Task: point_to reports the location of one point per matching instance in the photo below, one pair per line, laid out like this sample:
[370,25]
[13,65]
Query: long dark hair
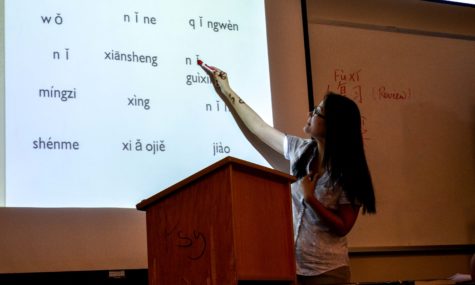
[344,157]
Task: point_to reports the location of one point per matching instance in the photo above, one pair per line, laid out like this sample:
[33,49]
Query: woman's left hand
[340,221]
[308,184]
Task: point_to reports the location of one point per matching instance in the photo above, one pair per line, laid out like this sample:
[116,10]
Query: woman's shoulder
[298,142]
[296,146]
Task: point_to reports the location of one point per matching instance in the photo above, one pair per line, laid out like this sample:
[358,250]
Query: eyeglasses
[317,111]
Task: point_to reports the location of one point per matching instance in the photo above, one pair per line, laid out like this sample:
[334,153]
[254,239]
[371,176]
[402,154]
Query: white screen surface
[471,2]
[139,114]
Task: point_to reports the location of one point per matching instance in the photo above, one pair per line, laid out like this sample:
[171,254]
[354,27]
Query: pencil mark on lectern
[196,242]
[170,231]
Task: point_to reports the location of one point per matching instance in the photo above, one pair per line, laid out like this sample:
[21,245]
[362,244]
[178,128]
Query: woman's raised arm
[256,125]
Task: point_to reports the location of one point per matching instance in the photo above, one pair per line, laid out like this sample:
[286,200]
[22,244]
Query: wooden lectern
[230,223]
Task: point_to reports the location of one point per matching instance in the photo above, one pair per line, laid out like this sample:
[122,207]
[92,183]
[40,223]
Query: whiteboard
[416,94]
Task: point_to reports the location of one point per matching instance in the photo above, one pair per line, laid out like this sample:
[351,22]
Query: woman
[333,180]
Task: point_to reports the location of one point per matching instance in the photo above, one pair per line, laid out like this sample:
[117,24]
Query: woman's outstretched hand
[219,77]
